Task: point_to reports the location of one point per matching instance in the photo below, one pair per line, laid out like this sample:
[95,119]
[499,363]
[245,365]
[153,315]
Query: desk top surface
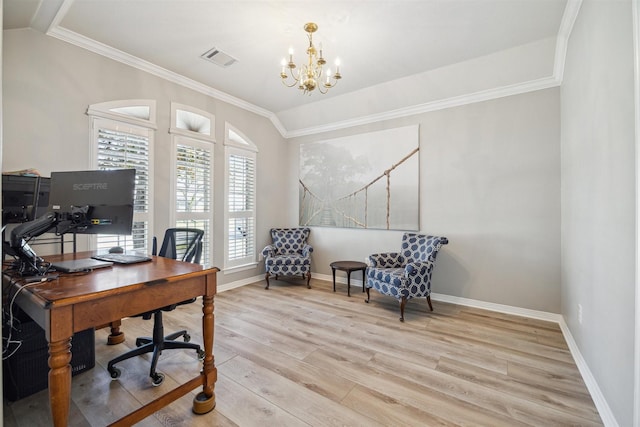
[115,279]
[348,265]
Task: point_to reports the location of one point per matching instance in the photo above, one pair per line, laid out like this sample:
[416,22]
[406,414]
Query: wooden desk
[74,303]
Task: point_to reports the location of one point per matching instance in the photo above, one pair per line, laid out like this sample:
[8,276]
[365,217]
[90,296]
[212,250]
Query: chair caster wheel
[201,354]
[115,373]
[187,338]
[157,379]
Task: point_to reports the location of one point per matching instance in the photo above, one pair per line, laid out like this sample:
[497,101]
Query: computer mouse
[116,250]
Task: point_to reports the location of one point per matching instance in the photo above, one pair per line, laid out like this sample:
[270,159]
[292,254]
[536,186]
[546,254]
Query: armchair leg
[429,301]
[403,302]
[308,280]
[266,277]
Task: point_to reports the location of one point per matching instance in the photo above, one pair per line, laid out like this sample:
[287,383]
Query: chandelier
[310,75]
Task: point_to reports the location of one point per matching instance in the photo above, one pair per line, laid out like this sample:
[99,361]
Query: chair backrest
[420,247]
[289,240]
[184,244]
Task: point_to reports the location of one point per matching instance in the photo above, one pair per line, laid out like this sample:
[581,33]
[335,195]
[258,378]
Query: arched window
[240,199]
[192,176]
[122,137]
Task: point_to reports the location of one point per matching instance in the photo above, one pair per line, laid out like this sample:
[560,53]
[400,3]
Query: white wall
[598,197]
[490,182]
[48,85]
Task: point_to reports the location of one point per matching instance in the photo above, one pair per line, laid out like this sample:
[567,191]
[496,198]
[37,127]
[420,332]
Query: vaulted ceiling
[385,47]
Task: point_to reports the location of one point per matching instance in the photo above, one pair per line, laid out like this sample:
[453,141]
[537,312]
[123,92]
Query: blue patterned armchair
[289,254]
[405,274]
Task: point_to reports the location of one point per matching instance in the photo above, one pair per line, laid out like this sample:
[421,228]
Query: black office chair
[183,244]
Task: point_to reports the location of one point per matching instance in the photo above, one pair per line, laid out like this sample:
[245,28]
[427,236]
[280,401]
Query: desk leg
[60,381]
[205,401]
[116,336]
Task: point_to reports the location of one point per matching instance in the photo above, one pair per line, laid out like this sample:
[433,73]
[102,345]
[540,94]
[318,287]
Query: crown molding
[135,62]
[570,13]
[441,104]
[564,32]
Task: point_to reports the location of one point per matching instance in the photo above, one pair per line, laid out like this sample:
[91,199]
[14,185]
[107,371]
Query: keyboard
[122,258]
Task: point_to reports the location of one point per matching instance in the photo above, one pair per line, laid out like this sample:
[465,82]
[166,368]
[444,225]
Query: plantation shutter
[193,188]
[122,147]
[241,206]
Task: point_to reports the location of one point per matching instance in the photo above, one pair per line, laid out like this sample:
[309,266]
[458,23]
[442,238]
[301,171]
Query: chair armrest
[269,250]
[386,260]
[306,250]
[415,268]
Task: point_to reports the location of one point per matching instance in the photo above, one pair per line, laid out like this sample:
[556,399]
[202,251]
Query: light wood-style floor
[291,356]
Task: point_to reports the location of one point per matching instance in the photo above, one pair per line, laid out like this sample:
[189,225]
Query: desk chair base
[155,345]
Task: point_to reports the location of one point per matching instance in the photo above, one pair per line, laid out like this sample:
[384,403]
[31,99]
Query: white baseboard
[592,385]
[501,308]
[239,283]
[602,406]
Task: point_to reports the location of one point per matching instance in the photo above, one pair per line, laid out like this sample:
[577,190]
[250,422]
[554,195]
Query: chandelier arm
[293,76]
[291,85]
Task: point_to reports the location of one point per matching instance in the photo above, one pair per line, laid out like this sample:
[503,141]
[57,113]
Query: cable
[7,340]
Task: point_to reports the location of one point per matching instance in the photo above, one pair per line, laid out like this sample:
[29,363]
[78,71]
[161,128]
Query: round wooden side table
[348,266]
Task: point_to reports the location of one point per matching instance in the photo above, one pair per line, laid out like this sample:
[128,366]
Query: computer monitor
[24,198]
[92,202]
[106,195]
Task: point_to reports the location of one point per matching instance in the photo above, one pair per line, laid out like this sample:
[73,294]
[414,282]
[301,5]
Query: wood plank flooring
[293,356]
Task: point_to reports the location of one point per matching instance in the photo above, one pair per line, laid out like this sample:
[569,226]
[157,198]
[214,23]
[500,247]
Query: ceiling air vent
[219,57]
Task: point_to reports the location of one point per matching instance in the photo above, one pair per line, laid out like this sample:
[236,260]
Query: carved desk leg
[205,401]
[60,381]
[116,336]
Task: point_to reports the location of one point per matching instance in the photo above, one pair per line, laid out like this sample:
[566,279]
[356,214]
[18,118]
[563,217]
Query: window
[122,138]
[192,195]
[193,188]
[240,197]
